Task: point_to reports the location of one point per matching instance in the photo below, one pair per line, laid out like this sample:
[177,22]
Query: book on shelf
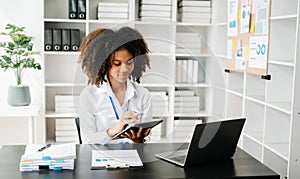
[184,71]
[155,19]
[160,98]
[64,121]
[178,71]
[112,4]
[75,39]
[185,110]
[194,15]
[65,124]
[56,39]
[64,104]
[184,93]
[195,20]
[184,9]
[187,99]
[66,139]
[148,7]
[66,98]
[122,15]
[48,39]
[187,122]
[195,70]
[157,2]
[117,9]
[151,13]
[193,3]
[81,9]
[66,127]
[186,104]
[66,39]
[66,133]
[72,9]
[158,93]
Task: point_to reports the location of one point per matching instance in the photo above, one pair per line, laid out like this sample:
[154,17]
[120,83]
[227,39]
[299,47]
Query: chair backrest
[78,129]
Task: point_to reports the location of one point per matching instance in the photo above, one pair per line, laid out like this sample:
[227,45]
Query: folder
[115,159]
[66,39]
[48,39]
[81,9]
[73,9]
[57,39]
[75,39]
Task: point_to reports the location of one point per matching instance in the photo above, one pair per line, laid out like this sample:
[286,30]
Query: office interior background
[272,107]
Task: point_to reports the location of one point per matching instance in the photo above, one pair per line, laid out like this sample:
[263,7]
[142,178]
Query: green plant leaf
[18,50]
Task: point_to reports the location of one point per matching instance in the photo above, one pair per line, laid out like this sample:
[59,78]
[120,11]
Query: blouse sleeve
[86,112]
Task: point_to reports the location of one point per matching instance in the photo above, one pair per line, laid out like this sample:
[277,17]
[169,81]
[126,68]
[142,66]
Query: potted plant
[17,55]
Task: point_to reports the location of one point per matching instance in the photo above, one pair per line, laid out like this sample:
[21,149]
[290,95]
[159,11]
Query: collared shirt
[97,114]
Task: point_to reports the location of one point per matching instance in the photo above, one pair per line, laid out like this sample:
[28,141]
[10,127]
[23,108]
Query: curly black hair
[98,47]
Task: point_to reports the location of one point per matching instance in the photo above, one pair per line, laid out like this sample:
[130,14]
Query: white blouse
[96,111]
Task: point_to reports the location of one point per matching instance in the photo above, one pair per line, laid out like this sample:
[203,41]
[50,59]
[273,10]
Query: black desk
[242,165]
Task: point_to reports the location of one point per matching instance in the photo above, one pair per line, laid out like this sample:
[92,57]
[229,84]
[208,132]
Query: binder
[57,39]
[81,9]
[66,39]
[73,9]
[75,39]
[48,40]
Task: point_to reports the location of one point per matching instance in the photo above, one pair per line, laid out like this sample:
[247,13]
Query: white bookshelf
[271,107]
[63,74]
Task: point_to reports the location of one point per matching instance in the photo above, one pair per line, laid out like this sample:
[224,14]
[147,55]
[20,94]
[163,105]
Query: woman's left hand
[137,137]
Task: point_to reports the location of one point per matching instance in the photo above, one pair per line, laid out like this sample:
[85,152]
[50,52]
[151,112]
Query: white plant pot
[18,96]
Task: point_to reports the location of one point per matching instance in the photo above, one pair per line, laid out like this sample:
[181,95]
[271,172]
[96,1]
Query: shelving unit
[63,74]
[271,107]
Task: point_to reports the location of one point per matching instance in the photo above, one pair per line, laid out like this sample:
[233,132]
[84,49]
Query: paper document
[102,159]
[61,151]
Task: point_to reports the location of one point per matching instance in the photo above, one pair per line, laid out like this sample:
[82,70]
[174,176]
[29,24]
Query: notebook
[210,142]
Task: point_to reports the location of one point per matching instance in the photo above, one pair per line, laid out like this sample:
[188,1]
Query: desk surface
[242,165]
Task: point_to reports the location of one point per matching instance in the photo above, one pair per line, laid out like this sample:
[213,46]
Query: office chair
[78,129]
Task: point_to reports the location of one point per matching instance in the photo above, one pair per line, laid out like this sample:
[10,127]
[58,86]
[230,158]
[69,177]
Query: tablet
[135,126]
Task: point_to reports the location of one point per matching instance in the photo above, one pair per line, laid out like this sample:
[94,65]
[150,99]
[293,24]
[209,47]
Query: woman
[113,61]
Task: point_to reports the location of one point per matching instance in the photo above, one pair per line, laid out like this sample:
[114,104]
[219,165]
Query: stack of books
[155,10]
[192,11]
[66,131]
[50,157]
[66,103]
[186,102]
[160,103]
[156,132]
[112,11]
[184,129]
[188,43]
[187,71]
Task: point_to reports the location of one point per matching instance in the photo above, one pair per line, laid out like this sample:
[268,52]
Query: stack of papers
[55,157]
[114,159]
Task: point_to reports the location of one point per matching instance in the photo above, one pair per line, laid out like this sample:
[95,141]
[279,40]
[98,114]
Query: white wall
[28,13]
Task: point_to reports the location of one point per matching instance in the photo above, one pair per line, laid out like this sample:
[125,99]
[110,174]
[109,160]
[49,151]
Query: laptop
[211,141]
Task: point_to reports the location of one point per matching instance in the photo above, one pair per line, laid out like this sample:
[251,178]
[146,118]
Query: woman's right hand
[126,118]
[129,117]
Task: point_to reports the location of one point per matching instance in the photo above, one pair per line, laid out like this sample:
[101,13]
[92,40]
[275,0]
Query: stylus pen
[44,148]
